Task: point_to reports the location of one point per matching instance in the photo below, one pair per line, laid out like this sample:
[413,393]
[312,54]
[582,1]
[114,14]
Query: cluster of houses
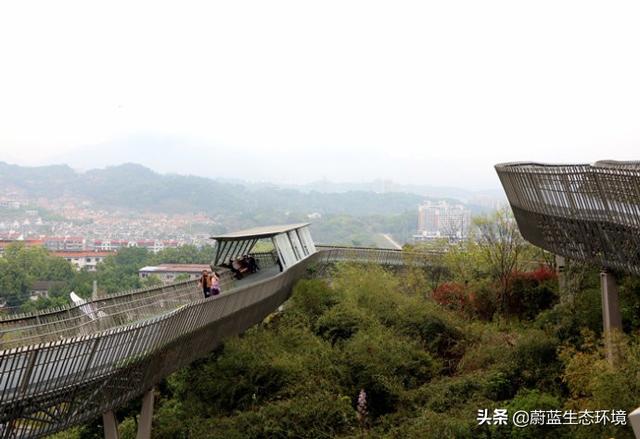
[87,255]
[84,254]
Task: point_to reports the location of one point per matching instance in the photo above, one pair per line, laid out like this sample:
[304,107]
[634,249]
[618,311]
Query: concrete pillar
[146,416]
[634,418]
[110,425]
[611,318]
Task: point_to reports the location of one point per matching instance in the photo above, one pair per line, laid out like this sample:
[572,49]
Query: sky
[429,92]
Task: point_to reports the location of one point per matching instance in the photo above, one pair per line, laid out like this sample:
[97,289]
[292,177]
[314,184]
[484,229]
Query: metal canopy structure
[292,242]
[587,212]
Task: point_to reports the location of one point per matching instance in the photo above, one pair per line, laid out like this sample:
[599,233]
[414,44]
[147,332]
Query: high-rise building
[442,220]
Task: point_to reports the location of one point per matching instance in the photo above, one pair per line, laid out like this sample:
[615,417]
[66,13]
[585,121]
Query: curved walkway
[51,385]
[586,212]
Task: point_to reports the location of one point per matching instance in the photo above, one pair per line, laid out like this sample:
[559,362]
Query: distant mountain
[160,153]
[248,166]
[135,187]
[385,186]
[46,181]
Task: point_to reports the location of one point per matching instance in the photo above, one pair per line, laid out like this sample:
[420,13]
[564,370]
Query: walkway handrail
[100,314]
[122,362]
[382,254]
[48,386]
[118,309]
[97,315]
[586,212]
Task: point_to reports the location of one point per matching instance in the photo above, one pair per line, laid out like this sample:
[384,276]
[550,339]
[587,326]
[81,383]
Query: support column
[611,319]
[634,418]
[110,425]
[146,416]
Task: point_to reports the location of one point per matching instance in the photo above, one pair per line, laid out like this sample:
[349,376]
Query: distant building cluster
[86,254]
[10,204]
[442,220]
[153,245]
[78,243]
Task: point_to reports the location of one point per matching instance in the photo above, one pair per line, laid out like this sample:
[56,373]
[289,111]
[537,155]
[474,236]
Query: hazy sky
[296,91]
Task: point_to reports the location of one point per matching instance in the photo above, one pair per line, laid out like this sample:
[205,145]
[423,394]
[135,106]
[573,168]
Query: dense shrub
[385,364]
[534,362]
[630,302]
[453,295]
[233,380]
[595,384]
[530,293]
[314,415]
[529,400]
[444,394]
[433,425]
[428,323]
[484,300]
[426,369]
[312,297]
[374,290]
[341,322]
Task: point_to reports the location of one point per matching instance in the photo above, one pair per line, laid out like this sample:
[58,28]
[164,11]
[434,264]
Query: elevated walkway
[93,365]
[589,213]
[582,211]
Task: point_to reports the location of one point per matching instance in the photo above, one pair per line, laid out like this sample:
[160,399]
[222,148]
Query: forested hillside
[138,188]
[371,353]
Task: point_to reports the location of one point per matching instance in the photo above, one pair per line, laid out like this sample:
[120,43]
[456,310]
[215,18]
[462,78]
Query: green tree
[21,266]
[120,271]
[151,281]
[501,247]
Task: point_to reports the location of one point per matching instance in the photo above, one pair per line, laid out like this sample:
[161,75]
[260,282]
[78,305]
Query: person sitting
[247,263]
[244,264]
[240,268]
[234,270]
[253,264]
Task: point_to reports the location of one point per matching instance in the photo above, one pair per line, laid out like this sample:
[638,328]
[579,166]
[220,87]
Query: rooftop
[259,232]
[82,254]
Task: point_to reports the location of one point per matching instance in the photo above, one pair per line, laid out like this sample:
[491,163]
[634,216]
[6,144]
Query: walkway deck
[47,387]
[262,274]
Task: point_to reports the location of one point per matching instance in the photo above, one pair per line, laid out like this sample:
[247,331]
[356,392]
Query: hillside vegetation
[138,188]
[425,367]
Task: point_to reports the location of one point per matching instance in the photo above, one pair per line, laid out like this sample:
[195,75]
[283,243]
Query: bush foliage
[427,361]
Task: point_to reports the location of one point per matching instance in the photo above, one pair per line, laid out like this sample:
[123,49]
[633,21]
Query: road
[391,240]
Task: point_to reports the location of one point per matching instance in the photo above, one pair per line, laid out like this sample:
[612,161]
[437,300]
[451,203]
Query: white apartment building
[442,220]
[84,259]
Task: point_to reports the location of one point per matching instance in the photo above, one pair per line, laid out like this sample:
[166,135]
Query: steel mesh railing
[587,212]
[379,256]
[101,314]
[49,386]
[112,311]
[122,362]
